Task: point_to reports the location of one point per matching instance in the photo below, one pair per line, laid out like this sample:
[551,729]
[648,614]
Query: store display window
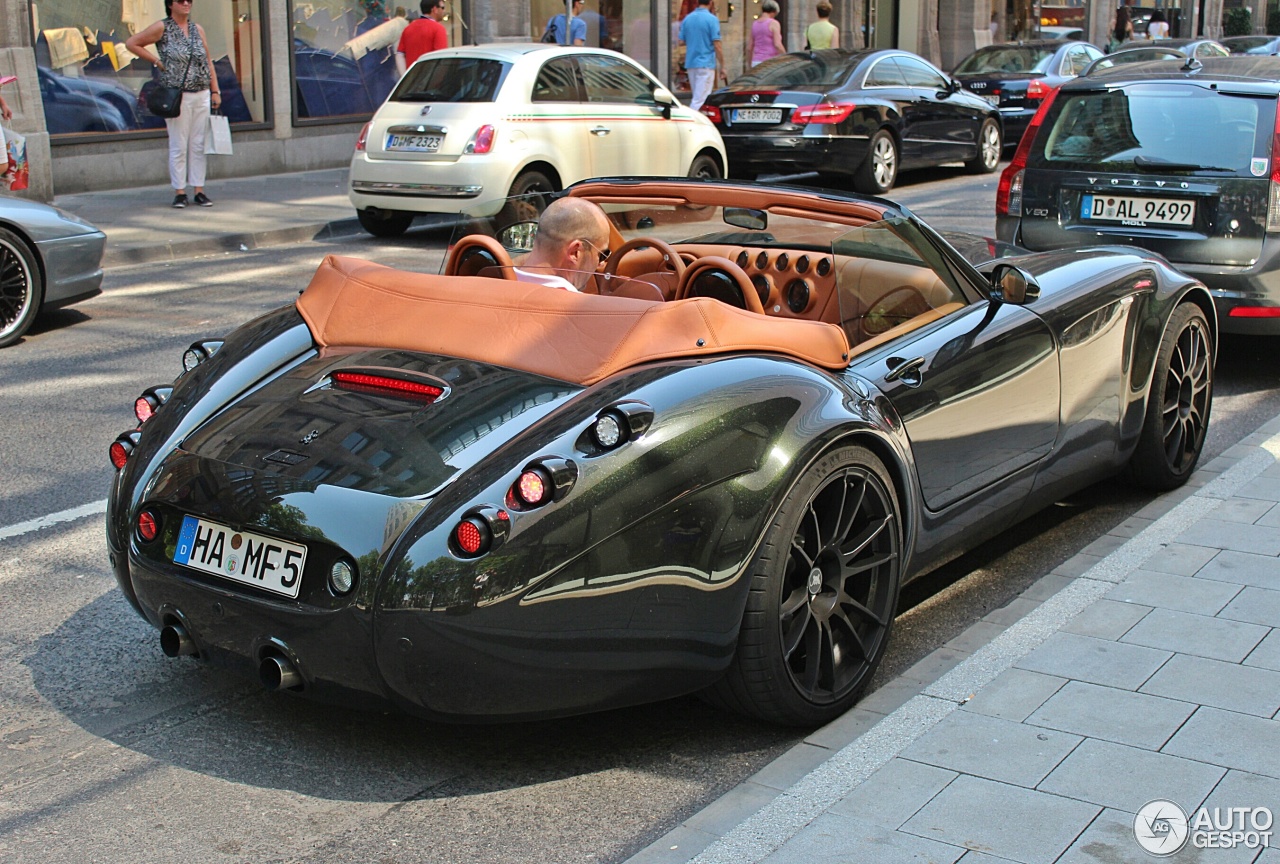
[344,62]
[91,84]
[621,25]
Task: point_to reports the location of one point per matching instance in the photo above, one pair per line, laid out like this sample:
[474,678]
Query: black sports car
[713,470]
[852,116]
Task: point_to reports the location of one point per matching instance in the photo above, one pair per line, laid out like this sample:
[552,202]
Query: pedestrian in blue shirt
[700,34]
[577,27]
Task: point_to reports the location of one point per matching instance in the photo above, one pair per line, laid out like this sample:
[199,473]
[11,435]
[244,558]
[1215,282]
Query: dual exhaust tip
[275,671]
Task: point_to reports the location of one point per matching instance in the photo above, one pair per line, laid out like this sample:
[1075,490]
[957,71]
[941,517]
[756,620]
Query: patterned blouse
[175,48]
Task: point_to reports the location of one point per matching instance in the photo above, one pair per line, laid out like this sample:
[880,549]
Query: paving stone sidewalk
[1145,668]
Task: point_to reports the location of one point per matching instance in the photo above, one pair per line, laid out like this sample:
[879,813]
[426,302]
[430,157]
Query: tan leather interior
[461,263]
[566,335]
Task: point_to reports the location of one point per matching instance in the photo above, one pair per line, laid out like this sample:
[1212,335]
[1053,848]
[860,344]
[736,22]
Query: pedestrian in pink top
[766,34]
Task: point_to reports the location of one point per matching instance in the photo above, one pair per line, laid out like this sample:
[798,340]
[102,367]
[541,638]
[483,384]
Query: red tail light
[482,141]
[364,137]
[122,447]
[1273,199]
[713,112]
[1255,311]
[472,536]
[1009,193]
[148,526]
[480,531]
[385,385]
[823,112]
[1037,89]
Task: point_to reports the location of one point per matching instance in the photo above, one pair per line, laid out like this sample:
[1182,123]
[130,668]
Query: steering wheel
[670,256]
[720,279]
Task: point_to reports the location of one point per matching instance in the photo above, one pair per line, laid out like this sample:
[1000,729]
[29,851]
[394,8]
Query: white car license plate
[414,143]
[1121,208]
[251,559]
[757,115]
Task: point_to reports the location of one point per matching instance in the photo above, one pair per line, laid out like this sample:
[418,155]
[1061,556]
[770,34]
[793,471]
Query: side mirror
[953,86]
[1009,284]
[665,101]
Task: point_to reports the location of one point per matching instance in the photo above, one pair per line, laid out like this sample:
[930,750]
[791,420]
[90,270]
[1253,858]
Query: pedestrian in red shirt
[423,35]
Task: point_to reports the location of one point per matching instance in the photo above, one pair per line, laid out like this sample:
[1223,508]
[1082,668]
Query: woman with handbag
[187,85]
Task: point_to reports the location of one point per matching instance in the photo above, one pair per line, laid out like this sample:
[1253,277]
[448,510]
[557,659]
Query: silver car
[48,258]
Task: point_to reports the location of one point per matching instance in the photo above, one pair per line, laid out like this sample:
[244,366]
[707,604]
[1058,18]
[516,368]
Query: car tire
[804,656]
[1178,405]
[538,188]
[705,167]
[990,144]
[384,223]
[879,170]
[21,287]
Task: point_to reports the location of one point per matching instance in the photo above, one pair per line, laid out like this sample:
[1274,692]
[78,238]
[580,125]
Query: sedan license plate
[414,143]
[250,559]
[757,115]
[1121,208]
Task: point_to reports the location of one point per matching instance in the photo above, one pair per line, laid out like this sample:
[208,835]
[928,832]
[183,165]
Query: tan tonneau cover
[581,338]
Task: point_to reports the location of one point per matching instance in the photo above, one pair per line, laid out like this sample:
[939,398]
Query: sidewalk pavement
[247,213]
[1146,668]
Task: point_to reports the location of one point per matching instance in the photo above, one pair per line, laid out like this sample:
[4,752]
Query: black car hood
[302,428]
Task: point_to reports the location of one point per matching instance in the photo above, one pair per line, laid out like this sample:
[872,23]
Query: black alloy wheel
[704,167]
[1178,405]
[21,287]
[823,595]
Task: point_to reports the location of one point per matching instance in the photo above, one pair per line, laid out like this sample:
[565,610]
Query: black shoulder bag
[167,101]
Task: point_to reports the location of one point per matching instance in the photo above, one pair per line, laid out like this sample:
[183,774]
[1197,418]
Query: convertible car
[711,470]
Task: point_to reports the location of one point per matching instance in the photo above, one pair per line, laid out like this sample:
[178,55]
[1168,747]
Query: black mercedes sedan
[1016,77]
[852,116]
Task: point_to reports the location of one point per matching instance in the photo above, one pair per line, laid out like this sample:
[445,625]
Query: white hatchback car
[491,121]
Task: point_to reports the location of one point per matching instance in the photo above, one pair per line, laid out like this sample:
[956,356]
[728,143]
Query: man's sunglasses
[603,253]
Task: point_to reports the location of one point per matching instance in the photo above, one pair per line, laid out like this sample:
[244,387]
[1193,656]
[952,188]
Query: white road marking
[96,508]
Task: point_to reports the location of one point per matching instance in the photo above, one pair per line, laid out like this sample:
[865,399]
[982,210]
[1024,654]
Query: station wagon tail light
[1037,89]
[712,112]
[823,112]
[1273,197]
[363,140]
[482,141]
[385,385]
[1009,193]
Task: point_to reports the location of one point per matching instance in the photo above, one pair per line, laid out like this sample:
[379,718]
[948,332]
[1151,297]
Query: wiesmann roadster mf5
[710,471]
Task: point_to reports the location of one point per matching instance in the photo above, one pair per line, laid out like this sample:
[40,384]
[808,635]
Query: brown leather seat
[479,255]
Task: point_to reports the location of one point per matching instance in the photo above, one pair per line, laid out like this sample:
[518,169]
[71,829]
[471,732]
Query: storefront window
[622,25]
[91,84]
[344,61]
[735,36]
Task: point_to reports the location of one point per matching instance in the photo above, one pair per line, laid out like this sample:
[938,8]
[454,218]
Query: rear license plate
[757,115]
[1120,208]
[414,143]
[250,559]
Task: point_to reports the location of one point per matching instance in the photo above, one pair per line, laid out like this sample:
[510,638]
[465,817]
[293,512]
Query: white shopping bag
[217,139]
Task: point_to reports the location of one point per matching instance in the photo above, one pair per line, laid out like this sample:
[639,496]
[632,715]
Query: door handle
[600,131]
[906,371]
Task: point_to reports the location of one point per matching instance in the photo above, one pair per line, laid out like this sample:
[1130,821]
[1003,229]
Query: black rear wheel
[384,223]
[705,168]
[1178,405]
[823,595]
[21,287]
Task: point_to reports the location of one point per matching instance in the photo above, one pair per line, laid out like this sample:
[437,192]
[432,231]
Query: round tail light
[533,488]
[607,431]
[148,526]
[471,536]
[342,577]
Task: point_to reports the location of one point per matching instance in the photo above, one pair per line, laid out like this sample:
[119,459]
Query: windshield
[1158,127]
[1007,58]
[865,276]
[451,79]
[814,69]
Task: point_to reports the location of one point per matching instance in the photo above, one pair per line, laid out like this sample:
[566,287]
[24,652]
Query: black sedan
[1016,77]
[711,470]
[852,116]
[48,258]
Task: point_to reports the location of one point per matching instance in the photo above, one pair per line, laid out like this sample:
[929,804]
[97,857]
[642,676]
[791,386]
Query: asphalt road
[110,752]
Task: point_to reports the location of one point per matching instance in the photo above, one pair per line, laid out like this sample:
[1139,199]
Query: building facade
[300,77]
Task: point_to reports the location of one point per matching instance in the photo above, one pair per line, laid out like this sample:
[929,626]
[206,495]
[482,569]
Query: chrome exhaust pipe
[277,673]
[176,642]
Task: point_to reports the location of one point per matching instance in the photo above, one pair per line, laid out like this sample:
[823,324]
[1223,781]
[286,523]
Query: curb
[760,815]
[243,242]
